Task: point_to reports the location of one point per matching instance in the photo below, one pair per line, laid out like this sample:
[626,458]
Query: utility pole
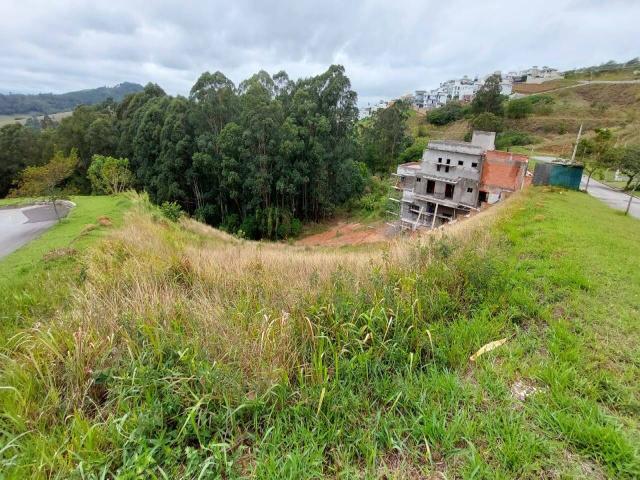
[575,147]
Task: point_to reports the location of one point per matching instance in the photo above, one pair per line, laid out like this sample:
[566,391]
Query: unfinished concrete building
[455,178]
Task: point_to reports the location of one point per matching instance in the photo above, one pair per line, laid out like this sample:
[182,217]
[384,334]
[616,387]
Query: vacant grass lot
[185,353]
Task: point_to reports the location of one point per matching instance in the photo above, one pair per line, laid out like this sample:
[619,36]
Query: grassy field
[530,88]
[22,118]
[36,279]
[628,73]
[186,353]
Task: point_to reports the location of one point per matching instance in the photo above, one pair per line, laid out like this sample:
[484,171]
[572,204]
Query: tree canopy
[258,157]
[488,99]
[384,136]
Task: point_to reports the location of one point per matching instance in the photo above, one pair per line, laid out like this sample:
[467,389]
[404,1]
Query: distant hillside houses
[370,109]
[464,89]
[534,75]
[461,89]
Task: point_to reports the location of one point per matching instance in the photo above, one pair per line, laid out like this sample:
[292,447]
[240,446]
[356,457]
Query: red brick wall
[503,171]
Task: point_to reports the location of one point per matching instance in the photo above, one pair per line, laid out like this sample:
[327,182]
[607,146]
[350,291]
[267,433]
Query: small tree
[109,175]
[45,180]
[628,162]
[488,98]
[595,153]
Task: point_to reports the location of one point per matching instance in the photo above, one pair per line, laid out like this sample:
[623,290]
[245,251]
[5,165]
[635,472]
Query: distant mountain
[46,103]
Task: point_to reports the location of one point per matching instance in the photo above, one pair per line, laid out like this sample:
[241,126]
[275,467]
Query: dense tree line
[43,103]
[258,157]
[383,137]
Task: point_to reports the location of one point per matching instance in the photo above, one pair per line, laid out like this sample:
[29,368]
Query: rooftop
[505,156]
[455,146]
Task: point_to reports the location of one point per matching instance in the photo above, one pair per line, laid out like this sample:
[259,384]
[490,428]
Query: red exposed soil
[345,233]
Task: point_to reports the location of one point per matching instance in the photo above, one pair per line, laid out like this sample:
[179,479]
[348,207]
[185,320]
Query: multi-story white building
[369,109]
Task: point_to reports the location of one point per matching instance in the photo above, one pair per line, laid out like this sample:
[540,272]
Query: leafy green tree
[385,136]
[109,175]
[259,157]
[627,160]
[414,152]
[488,98]
[595,153]
[19,148]
[45,181]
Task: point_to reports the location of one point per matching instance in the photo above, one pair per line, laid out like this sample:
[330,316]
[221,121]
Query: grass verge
[34,280]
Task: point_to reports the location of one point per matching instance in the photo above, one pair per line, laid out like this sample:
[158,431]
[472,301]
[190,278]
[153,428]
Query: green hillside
[552,125]
[182,352]
[46,103]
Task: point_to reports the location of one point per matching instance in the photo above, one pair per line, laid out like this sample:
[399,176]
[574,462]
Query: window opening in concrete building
[474,164]
[460,162]
[431,186]
[448,191]
[469,190]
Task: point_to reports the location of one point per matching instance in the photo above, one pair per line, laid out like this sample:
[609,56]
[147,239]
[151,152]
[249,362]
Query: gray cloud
[388,47]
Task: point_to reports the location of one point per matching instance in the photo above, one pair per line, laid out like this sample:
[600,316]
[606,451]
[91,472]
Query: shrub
[171,210]
[231,223]
[414,152]
[512,138]
[207,214]
[519,108]
[109,175]
[488,122]
[449,113]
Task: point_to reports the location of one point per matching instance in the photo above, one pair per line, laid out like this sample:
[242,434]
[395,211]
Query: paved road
[613,198]
[19,225]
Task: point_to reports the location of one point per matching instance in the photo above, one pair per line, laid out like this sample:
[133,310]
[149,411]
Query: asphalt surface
[614,198]
[19,225]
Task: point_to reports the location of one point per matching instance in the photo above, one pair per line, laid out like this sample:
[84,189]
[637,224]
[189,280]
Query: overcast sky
[388,47]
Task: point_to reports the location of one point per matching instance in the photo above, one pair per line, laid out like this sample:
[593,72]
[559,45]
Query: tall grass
[188,353]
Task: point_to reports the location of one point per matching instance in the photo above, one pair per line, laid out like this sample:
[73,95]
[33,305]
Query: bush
[449,113]
[414,152]
[512,138]
[171,210]
[488,122]
[208,214]
[231,223]
[519,108]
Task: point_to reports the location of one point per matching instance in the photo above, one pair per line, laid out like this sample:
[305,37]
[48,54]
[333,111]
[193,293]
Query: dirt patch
[59,253]
[522,388]
[105,221]
[348,233]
